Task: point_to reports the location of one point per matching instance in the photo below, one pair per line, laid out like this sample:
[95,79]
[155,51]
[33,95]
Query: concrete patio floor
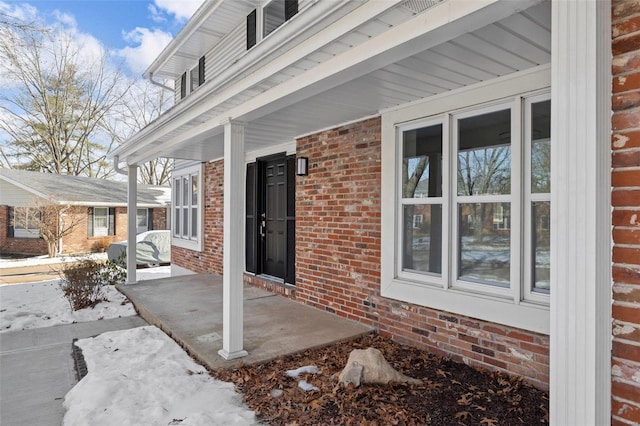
[189,309]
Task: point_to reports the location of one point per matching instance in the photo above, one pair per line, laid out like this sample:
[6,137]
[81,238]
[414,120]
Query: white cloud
[23,12]
[148,45]
[156,14]
[180,9]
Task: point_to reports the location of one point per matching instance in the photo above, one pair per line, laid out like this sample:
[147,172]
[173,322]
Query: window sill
[525,315]
[187,244]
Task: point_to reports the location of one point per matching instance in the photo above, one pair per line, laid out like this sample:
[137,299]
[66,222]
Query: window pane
[484,253]
[185,191]
[176,222]
[195,78]
[185,222]
[422,162]
[273,16]
[141,217]
[484,154]
[194,222]
[540,248]
[194,190]
[422,241]
[176,192]
[541,147]
[20,220]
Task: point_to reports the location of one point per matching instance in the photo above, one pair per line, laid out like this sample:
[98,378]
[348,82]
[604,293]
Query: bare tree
[143,103]
[49,220]
[54,110]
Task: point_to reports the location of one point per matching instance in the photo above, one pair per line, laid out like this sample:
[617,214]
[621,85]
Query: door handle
[263,225]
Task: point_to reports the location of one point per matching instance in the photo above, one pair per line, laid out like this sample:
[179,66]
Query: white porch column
[580,349]
[132,203]
[233,244]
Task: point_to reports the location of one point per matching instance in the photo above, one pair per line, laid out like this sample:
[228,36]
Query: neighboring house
[99,207]
[439,170]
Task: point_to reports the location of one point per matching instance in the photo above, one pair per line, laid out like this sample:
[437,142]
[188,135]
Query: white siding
[11,195]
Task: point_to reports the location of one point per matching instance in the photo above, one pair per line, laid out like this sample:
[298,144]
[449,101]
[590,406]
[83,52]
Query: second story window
[266,19]
[193,78]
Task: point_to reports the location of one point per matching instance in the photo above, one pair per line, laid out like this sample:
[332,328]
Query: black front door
[274,217]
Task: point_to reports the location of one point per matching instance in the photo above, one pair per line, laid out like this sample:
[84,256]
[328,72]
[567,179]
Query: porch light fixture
[302,166]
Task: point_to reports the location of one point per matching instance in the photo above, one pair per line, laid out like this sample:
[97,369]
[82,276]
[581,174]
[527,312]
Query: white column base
[232,355]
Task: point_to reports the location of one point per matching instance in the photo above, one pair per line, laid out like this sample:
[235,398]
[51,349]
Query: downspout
[157,83]
[116,166]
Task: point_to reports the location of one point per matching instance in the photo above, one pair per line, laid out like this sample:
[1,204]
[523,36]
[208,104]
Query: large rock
[369,366]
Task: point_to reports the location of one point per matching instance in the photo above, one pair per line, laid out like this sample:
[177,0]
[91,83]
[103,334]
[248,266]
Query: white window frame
[183,238]
[504,306]
[530,197]
[100,231]
[260,15]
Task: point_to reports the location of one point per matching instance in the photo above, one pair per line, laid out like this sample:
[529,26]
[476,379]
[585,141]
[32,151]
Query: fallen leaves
[452,393]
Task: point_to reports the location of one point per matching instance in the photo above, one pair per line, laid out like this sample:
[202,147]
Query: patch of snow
[276,393]
[45,260]
[153,273]
[141,376]
[36,305]
[306,386]
[307,369]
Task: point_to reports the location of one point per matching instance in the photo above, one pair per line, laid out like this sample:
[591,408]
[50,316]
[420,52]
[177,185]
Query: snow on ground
[142,377]
[42,304]
[45,260]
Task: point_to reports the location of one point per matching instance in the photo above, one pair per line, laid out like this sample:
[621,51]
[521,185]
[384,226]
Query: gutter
[116,166]
[157,83]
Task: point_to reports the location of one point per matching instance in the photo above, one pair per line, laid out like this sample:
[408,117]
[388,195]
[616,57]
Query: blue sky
[134,30]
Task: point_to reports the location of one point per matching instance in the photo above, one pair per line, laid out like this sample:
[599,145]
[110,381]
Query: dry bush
[101,245]
[82,282]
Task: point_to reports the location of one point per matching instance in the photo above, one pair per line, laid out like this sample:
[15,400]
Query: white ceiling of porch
[516,43]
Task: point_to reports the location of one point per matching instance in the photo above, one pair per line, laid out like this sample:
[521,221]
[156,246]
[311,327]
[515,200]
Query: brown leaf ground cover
[452,393]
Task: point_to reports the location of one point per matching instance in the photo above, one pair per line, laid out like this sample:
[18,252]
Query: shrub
[101,245]
[82,282]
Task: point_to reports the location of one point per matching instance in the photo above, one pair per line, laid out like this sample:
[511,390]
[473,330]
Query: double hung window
[26,222]
[471,225]
[187,211]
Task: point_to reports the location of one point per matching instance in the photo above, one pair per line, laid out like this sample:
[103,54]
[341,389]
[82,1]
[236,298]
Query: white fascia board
[431,28]
[202,101]
[192,25]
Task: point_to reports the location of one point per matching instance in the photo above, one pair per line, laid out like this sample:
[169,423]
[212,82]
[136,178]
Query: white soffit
[518,42]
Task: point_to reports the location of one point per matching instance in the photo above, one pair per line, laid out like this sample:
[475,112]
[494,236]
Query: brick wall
[338,261]
[210,259]
[18,245]
[78,240]
[625,178]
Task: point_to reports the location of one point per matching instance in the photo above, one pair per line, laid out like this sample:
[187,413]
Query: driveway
[37,369]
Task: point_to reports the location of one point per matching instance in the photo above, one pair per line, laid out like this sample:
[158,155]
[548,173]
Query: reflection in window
[484,154]
[422,199]
[423,243]
[274,16]
[484,251]
[540,246]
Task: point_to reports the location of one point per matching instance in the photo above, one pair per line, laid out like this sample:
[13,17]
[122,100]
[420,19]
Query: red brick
[628,119]
[625,197]
[622,10]
[622,178]
[626,217]
[626,44]
[626,236]
[625,140]
[625,83]
[626,313]
[626,159]
[625,410]
[625,390]
[627,26]
[626,293]
[626,351]
[627,100]
[622,64]
[629,274]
